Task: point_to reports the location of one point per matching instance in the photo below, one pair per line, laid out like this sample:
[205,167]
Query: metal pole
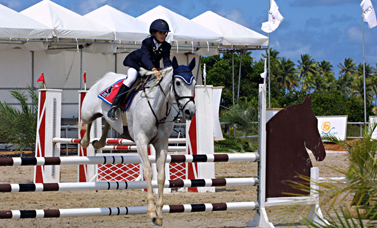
[116,63]
[81,76]
[269,69]
[269,74]
[365,105]
[233,76]
[239,77]
[32,69]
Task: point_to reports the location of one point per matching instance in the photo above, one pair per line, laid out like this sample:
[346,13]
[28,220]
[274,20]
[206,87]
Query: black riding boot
[121,93]
[125,134]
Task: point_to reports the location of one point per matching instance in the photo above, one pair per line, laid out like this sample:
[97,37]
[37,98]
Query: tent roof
[125,26]
[66,23]
[233,33]
[182,29]
[16,25]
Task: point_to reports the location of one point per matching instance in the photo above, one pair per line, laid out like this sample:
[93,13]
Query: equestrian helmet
[159,25]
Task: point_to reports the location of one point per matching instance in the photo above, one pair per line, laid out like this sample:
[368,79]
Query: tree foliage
[18,125]
[341,94]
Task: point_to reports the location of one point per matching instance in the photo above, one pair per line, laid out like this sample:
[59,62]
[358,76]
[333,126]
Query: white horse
[149,118]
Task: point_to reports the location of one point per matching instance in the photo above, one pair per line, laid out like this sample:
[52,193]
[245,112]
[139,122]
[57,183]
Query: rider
[153,49]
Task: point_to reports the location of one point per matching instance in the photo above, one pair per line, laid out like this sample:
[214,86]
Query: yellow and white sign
[333,125]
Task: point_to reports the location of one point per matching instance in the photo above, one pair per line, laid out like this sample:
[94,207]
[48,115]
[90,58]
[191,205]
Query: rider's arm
[158,74]
[146,48]
[166,56]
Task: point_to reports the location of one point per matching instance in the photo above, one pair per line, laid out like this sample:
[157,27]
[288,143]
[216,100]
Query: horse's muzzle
[189,112]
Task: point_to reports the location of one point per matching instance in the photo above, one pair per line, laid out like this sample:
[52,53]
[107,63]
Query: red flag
[85,76]
[42,79]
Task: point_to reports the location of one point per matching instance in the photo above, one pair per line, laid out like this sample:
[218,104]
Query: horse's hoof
[151,214]
[94,144]
[83,144]
[157,221]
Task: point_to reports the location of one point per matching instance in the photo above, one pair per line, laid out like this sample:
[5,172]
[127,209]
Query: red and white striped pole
[48,127]
[87,173]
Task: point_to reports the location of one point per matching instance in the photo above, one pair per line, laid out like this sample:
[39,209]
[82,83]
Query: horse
[289,133]
[149,118]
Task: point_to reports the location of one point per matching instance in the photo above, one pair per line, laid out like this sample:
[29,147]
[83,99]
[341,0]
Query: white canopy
[125,27]
[232,33]
[66,23]
[182,29]
[15,25]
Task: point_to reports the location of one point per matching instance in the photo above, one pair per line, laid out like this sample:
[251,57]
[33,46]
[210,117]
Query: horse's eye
[178,83]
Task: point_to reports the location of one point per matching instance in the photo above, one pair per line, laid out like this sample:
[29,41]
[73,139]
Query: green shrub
[18,125]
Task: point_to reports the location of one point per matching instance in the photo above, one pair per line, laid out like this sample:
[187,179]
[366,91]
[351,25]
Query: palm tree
[17,126]
[349,67]
[346,78]
[345,84]
[287,74]
[307,69]
[274,64]
[326,72]
[374,81]
[358,83]
[316,83]
[361,182]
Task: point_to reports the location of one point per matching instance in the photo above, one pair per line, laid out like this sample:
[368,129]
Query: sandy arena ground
[88,199]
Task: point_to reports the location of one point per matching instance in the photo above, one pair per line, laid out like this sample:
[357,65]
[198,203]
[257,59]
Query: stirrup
[111,113]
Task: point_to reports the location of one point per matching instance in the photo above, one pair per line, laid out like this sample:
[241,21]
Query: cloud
[305,3]
[90,5]
[296,53]
[340,18]
[313,22]
[17,5]
[234,15]
[354,34]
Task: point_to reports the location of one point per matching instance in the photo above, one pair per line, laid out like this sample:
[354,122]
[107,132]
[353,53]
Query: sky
[328,30]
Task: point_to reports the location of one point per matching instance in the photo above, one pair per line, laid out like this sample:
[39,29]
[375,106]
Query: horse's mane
[155,81]
[144,72]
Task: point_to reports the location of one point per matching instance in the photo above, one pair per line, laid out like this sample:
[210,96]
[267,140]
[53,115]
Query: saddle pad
[110,92]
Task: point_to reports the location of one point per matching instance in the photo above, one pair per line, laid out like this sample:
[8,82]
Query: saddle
[138,85]
[110,92]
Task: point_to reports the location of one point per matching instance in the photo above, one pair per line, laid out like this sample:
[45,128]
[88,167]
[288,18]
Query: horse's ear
[192,64]
[174,63]
[308,99]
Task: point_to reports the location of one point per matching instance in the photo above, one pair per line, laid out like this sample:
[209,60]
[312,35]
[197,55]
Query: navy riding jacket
[148,56]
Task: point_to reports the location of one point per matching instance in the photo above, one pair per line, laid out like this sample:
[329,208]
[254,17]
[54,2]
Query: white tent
[182,29]
[232,33]
[66,23]
[18,26]
[125,27]
[63,66]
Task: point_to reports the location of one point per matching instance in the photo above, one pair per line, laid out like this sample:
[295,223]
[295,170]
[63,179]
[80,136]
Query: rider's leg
[131,77]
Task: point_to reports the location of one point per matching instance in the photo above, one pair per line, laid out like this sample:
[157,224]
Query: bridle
[176,96]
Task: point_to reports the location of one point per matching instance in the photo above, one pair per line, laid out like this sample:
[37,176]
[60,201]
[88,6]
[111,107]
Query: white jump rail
[124,159]
[111,141]
[120,185]
[113,211]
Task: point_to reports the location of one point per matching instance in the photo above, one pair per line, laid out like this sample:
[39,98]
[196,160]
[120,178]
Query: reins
[168,109]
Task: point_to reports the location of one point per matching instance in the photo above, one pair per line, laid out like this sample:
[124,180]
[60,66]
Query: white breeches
[131,77]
